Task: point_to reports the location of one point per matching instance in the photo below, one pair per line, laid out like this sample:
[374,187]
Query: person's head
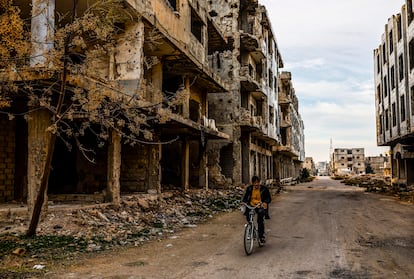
[255,180]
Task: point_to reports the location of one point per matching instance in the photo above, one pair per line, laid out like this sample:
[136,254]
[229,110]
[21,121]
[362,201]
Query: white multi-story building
[394,98]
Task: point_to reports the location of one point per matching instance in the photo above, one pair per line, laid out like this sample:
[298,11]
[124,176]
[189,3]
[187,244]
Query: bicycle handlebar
[252,207]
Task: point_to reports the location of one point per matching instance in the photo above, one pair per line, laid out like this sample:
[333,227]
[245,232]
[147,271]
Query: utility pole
[330,156]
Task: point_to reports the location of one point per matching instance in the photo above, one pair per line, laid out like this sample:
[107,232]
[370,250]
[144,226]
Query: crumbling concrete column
[114,169]
[185,167]
[42,31]
[154,169]
[203,171]
[38,142]
[186,102]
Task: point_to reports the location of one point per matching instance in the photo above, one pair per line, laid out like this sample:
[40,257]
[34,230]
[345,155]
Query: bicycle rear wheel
[248,239]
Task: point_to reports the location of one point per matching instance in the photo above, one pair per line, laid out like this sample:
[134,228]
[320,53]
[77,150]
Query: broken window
[194,111]
[271,114]
[411,53]
[394,116]
[197,26]
[270,81]
[170,87]
[270,45]
[172,4]
[399,26]
[412,99]
[401,67]
[380,123]
[384,54]
[392,78]
[385,87]
[402,104]
[391,42]
[379,93]
[387,120]
[378,63]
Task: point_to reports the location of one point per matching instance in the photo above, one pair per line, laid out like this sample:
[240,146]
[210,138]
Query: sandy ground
[321,229]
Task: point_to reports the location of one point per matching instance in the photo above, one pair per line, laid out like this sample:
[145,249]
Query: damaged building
[250,112]
[220,57]
[394,96]
[290,154]
[348,161]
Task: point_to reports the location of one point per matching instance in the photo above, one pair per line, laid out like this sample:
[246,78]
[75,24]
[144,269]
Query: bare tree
[75,94]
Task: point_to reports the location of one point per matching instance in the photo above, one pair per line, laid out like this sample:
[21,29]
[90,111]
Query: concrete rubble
[140,217]
[380,184]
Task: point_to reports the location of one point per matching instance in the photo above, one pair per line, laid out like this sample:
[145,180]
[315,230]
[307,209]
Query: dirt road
[321,229]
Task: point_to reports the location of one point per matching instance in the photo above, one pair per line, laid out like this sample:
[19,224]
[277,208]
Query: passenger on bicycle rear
[255,194]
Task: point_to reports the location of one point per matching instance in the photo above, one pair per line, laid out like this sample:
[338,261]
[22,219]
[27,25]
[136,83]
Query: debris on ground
[379,184]
[65,234]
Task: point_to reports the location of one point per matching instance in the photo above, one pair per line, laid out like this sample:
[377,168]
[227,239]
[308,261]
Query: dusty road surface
[321,229]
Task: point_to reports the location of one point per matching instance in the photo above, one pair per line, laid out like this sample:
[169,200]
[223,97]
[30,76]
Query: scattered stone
[19,252]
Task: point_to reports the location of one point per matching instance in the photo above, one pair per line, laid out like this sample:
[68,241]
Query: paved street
[322,229]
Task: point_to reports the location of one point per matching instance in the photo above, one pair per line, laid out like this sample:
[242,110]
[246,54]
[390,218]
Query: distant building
[310,165]
[377,164]
[348,161]
[322,168]
[394,93]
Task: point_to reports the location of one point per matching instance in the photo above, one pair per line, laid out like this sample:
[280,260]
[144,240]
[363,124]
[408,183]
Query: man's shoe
[267,216]
[262,240]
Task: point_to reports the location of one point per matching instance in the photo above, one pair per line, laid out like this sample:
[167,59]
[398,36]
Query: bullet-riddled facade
[163,50]
[394,93]
[290,154]
[223,60]
[250,114]
[348,161]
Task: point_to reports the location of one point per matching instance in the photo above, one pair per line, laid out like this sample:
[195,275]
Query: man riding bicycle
[257,193]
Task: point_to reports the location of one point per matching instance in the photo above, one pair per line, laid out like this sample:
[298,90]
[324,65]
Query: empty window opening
[394,116]
[197,26]
[271,114]
[172,4]
[402,104]
[171,162]
[391,42]
[226,160]
[72,173]
[400,67]
[378,63]
[380,123]
[412,99]
[170,87]
[392,78]
[194,111]
[399,26]
[387,120]
[411,53]
[379,93]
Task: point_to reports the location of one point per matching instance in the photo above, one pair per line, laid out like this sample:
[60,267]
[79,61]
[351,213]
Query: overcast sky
[328,46]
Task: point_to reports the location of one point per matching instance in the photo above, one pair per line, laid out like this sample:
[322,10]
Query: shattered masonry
[239,117]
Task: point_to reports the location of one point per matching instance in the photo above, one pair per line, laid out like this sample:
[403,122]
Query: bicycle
[251,232]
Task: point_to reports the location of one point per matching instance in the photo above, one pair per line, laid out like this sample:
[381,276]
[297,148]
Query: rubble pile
[143,216]
[139,218]
[380,184]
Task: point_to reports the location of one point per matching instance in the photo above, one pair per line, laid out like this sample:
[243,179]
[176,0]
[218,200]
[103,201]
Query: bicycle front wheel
[248,239]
